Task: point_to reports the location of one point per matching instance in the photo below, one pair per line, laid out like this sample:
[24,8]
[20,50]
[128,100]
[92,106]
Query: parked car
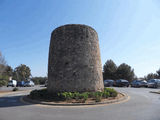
[29,84]
[12,83]
[20,84]
[154,83]
[121,83]
[144,83]
[108,83]
[136,83]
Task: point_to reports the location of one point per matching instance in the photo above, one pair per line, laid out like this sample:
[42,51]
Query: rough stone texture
[74,60]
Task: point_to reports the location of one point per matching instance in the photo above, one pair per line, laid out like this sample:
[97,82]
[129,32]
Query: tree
[3,77]
[158,72]
[151,76]
[109,70]
[124,71]
[39,80]
[8,71]
[22,72]
[2,64]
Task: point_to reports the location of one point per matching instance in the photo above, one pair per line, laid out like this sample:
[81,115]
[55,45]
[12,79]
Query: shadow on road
[12,101]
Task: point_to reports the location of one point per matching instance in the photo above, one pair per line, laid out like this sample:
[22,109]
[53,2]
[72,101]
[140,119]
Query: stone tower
[74,60]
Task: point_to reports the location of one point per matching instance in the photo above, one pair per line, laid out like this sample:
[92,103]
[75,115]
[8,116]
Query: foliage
[15,89]
[151,76]
[38,93]
[39,80]
[44,95]
[2,64]
[22,72]
[112,92]
[125,71]
[79,97]
[75,95]
[97,96]
[158,72]
[3,71]
[8,71]
[109,70]
[3,83]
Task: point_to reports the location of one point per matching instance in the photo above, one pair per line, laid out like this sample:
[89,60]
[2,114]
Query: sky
[128,30]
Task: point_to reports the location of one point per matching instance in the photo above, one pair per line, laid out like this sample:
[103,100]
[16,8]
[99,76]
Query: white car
[12,83]
[29,84]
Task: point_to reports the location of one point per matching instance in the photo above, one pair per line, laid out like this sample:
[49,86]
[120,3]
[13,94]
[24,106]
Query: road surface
[142,105]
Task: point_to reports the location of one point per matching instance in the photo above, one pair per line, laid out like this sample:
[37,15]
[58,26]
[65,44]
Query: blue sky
[128,30]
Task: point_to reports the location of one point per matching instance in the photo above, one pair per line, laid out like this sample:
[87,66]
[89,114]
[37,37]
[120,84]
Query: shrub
[3,83]
[15,89]
[81,97]
[112,92]
[67,95]
[41,94]
[106,94]
[75,95]
[98,96]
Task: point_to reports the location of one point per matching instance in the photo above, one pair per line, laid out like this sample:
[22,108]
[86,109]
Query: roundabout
[141,104]
[119,99]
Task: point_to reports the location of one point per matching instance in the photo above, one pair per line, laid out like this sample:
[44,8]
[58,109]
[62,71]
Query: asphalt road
[21,88]
[142,105]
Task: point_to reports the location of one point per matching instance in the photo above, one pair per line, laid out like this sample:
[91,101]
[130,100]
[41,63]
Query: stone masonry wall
[74,60]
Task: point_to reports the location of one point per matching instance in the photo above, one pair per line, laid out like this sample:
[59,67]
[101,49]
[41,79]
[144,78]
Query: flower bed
[73,97]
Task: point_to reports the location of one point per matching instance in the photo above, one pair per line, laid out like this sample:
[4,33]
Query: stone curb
[154,92]
[13,92]
[30,101]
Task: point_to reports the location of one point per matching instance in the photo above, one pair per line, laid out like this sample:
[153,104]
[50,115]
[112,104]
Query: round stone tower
[74,60]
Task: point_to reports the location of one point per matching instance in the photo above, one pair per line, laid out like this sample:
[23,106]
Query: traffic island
[75,99]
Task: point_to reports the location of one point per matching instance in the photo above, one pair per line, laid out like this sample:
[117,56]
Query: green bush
[15,89]
[76,95]
[112,92]
[98,96]
[82,97]
[106,94]
[3,83]
[73,95]
[39,94]
[67,95]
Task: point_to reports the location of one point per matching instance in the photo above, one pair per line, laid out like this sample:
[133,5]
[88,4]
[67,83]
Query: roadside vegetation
[124,71]
[39,80]
[15,89]
[114,72]
[20,73]
[69,96]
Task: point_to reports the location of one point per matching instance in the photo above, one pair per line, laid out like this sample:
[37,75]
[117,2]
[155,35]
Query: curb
[13,92]
[154,92]
[27,100]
